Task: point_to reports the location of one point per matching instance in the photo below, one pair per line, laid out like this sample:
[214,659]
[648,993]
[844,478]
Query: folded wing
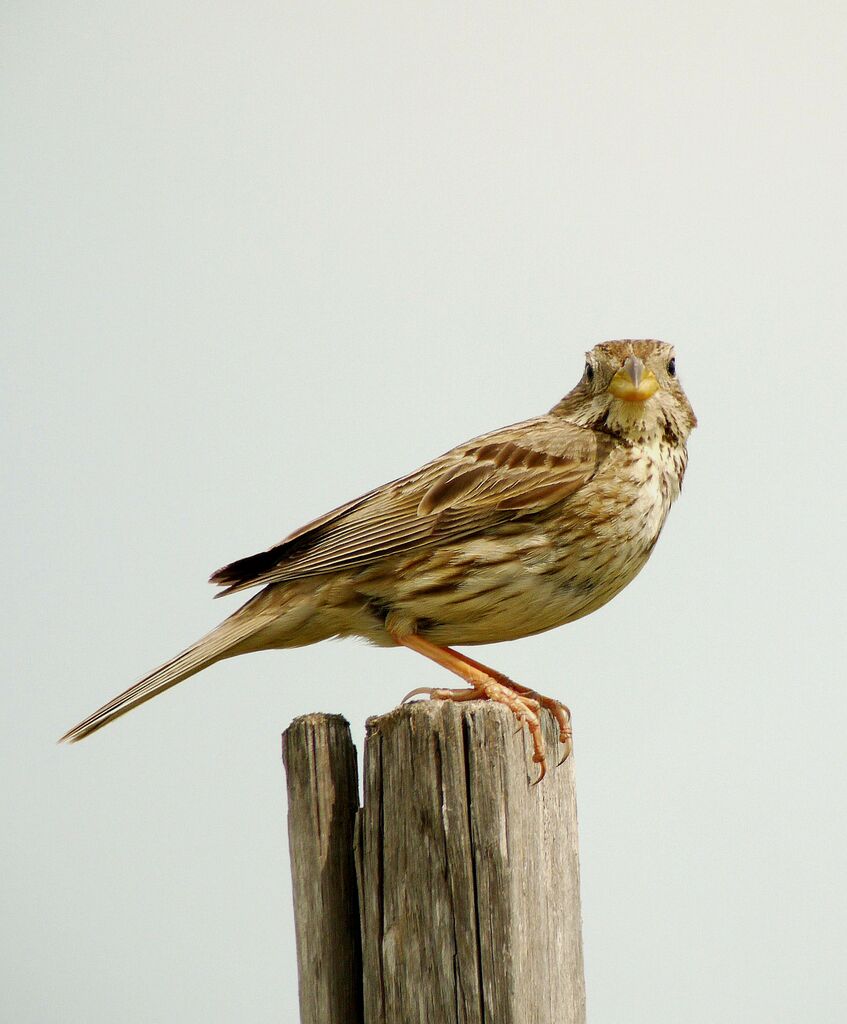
[489,480]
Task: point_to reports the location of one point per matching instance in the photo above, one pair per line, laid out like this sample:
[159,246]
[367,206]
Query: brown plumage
[515,532]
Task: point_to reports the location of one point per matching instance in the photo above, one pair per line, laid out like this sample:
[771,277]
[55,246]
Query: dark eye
[672,367]
[589,372]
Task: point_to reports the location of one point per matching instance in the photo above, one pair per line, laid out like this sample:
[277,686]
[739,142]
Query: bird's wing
[510,473]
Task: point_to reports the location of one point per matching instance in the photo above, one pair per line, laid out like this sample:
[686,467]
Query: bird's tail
[225,640]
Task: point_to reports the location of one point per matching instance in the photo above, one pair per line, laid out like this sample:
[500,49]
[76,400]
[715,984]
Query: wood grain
[468,873]
[323,797]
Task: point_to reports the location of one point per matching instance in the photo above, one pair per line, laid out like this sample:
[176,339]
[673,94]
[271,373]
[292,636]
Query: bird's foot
[441,693]
[560,712]
[522,705]
[488,684]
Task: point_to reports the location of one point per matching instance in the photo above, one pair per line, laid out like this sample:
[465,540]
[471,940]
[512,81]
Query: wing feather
[501,476]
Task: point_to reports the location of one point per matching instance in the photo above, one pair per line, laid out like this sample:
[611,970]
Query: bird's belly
[524,578]
[550,584]
[491,607]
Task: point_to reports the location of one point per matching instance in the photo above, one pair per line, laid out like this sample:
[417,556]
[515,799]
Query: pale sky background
[260,257]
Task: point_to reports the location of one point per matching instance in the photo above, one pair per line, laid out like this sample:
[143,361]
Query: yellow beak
[632,382]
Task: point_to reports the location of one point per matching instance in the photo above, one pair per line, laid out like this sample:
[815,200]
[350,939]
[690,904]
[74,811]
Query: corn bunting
[515,532]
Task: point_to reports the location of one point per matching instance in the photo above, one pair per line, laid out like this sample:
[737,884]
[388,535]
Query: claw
[439,693]
[487,684]
[568,751]
[428,690]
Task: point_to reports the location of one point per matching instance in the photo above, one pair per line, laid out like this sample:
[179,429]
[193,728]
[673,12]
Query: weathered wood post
[323,797]
[467,875]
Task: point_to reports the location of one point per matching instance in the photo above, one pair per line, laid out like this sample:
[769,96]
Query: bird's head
[631,389]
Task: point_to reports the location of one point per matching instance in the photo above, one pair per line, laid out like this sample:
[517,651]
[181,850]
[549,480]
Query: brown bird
[510,534]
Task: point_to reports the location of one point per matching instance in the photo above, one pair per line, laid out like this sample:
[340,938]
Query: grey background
[261,257]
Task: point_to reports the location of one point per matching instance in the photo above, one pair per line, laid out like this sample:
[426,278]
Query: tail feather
[211,648]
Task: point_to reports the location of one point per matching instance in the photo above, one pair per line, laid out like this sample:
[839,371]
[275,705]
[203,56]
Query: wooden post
[323,797]
[468,875]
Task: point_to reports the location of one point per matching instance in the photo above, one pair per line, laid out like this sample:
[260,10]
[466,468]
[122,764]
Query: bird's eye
[672,367]
[589,372]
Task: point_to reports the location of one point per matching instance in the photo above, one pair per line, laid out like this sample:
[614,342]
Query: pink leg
[560,712]
[488,684]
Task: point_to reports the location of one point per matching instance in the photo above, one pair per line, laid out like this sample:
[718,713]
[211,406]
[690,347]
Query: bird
[510,534]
